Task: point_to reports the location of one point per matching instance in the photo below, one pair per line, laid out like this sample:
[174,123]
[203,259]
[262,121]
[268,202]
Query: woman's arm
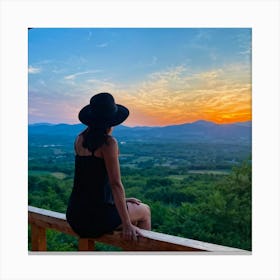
[110,155]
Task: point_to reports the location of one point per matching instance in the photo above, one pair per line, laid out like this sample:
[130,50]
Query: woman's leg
[140,215]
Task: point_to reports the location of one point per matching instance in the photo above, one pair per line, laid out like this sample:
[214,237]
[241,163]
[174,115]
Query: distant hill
[199,131]
[55,129]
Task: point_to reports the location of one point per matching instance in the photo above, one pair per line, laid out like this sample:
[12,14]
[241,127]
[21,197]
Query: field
[214,172]
[58,175]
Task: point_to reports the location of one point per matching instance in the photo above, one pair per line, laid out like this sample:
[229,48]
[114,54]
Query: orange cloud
[178,96]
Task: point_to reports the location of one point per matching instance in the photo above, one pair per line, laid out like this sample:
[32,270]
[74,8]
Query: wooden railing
[41,219]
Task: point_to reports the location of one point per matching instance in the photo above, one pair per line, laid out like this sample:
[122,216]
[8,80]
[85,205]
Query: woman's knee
[146,209]
[145,222]
[139,211]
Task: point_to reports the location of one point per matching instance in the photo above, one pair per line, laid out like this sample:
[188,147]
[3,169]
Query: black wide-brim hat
[103,111]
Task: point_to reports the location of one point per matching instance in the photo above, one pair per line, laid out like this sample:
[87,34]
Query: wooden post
[86,244]
[38,238]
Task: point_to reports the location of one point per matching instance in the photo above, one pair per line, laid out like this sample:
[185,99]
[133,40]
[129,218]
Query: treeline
[207,207]
[179,156]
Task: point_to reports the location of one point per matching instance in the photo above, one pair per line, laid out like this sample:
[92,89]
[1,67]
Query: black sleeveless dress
[91,211]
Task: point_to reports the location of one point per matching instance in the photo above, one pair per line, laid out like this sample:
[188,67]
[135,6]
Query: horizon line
[200,120]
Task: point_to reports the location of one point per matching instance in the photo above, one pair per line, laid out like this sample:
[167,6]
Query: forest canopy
[206,203]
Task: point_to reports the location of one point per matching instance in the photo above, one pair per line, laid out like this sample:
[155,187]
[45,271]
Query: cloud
[42,83]
[154,60]
[73,76]
[95,86]
[143,64]
[89,35]
[247,51]
[58,71]
[102,45]
[33,70]
[202,35]
[173,96]
[179,95]
[244,41]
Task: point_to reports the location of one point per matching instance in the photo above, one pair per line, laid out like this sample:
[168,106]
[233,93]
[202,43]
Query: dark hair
[94,137]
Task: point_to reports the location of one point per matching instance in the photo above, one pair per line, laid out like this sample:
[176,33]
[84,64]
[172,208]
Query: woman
[97,203]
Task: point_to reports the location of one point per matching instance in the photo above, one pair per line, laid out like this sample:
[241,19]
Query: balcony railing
[41,219]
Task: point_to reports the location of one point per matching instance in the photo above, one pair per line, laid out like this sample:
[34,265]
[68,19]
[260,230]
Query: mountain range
[199,131]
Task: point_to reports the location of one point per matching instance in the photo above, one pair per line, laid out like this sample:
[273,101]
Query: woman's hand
[133,200]
[130,232]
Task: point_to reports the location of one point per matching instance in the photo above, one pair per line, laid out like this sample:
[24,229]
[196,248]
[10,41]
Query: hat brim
[86,116]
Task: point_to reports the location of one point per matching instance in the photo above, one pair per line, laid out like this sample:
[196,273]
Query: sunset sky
[164,76]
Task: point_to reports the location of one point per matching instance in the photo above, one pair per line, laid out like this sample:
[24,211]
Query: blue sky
[150,70]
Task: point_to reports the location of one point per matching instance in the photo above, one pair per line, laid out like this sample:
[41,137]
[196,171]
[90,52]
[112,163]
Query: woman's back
[91,192]
[90,180]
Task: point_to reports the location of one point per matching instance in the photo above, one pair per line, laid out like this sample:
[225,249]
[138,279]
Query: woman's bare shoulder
[78,145]
[80,136]
[112,140]
[111,146]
